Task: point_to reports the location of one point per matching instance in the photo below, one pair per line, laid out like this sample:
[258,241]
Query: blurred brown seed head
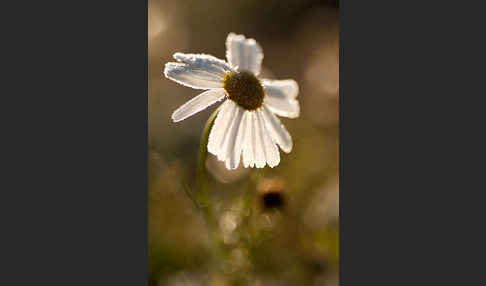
[317,263]
[271,193]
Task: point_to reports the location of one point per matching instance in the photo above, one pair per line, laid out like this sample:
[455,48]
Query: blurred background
[276,226]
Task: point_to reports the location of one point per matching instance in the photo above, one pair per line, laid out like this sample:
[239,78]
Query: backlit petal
[198,103]
[246,54]
[277,130]
[272,155]
[220,125]
[198,71]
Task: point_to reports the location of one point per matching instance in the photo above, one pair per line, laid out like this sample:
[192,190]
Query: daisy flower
[246,125]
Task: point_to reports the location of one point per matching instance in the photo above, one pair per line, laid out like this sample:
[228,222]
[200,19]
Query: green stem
[201,175]
[203,197]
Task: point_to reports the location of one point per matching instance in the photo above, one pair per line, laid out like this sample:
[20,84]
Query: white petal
[206,62]
[233,160]
[258,151]
[220,125]
[230,136]
[280,97]
[247,147]
[197,70]
[286,107]
[277,131]
[198,103]
[287,88]
[188,76]
[245,54]
[270,149]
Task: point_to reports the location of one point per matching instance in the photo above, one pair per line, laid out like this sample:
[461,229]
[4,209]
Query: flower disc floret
[244,88]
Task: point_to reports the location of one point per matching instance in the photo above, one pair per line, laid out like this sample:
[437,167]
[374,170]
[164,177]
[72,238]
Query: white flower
[246,124]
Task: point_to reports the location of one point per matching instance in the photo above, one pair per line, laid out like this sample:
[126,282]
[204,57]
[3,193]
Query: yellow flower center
[244,88]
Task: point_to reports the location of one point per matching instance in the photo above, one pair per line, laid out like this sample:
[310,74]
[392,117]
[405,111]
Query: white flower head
[246,125]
